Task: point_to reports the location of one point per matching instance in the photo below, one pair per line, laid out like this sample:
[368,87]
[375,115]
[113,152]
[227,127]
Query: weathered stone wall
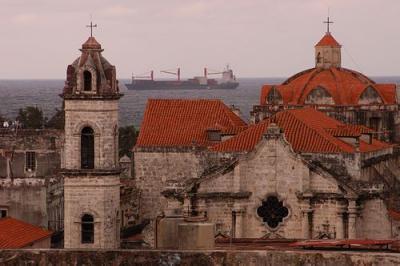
[47,144]
[25,199]
[102,117]
[154,172]
[211,257]
[374,220]
[97,195]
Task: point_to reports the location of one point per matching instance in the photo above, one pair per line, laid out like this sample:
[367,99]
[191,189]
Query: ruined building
[90,170]
[343,94]
[30,187]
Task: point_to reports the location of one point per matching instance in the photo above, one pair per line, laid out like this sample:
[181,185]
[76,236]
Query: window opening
[30,161]
[272,211]
[87,78]
[87,148]
[87,224]
[3,213]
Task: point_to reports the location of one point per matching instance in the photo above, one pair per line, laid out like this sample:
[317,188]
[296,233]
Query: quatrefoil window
[272,211]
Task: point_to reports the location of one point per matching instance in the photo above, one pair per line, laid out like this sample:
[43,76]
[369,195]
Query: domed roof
[101,80]
[91,43]
[340,86]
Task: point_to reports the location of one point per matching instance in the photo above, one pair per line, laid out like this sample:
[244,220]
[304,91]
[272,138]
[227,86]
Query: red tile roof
[328,40]
[18,234]
[307,130]
[343,85]
[184,123]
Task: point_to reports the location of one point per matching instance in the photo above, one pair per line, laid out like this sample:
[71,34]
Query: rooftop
[328,40]
[308,131]
[185,123]
[343,86]
[18,234]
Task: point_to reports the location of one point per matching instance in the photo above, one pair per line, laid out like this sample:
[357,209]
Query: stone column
[239,212]
[306,223]
[352,210]
[306,211]
[339,225]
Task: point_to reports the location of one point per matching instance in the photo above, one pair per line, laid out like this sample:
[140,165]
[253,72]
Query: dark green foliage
[58,120]
[127,139]
[2,119]
[31,117]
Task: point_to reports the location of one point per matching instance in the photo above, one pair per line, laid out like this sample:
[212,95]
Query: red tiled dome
[344,86]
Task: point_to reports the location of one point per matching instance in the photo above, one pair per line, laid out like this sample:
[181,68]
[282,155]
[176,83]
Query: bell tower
[328,50]
[90,168]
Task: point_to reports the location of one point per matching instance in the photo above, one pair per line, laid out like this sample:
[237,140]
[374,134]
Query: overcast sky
[258,38]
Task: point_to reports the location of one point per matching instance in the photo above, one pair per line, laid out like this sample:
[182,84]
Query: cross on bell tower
[91,26]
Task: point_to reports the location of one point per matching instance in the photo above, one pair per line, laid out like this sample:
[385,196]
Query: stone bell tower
[90,171]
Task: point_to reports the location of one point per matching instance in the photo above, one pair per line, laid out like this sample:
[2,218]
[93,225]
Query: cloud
[25,18]
[193,9]
[117,11]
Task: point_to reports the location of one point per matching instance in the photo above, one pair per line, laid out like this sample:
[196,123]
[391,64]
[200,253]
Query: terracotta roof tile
[343,85]
[328,40]
[183,123]
[18,234]
[307,130]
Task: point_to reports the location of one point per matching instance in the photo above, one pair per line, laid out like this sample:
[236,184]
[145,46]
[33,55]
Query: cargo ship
[228,81]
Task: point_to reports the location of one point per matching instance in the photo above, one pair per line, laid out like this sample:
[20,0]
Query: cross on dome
[328,22]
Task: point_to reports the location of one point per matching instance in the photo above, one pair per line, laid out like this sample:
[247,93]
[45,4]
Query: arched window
[274,97]
[319,58]
[319,95]
[87,148]
[87,80]
[87,229]
[370,96]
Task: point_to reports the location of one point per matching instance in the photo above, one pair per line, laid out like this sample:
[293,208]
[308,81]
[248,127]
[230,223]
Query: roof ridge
[310,78]
[338,80]
[315,130]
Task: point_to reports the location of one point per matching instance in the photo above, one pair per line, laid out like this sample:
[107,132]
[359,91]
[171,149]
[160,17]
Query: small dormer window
[87,81]
[214,134]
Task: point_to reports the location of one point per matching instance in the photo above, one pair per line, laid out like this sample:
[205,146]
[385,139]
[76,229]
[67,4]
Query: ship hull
[178,85]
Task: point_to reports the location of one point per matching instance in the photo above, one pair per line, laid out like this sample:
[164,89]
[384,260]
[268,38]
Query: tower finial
[328,22]
[91,26]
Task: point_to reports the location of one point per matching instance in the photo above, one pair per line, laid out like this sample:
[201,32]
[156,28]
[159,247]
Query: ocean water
[44,94]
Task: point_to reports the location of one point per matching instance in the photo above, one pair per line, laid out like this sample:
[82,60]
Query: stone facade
[91,167]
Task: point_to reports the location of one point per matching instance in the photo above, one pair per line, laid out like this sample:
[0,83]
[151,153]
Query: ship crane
[144,76]
[213,72]
[176,73]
